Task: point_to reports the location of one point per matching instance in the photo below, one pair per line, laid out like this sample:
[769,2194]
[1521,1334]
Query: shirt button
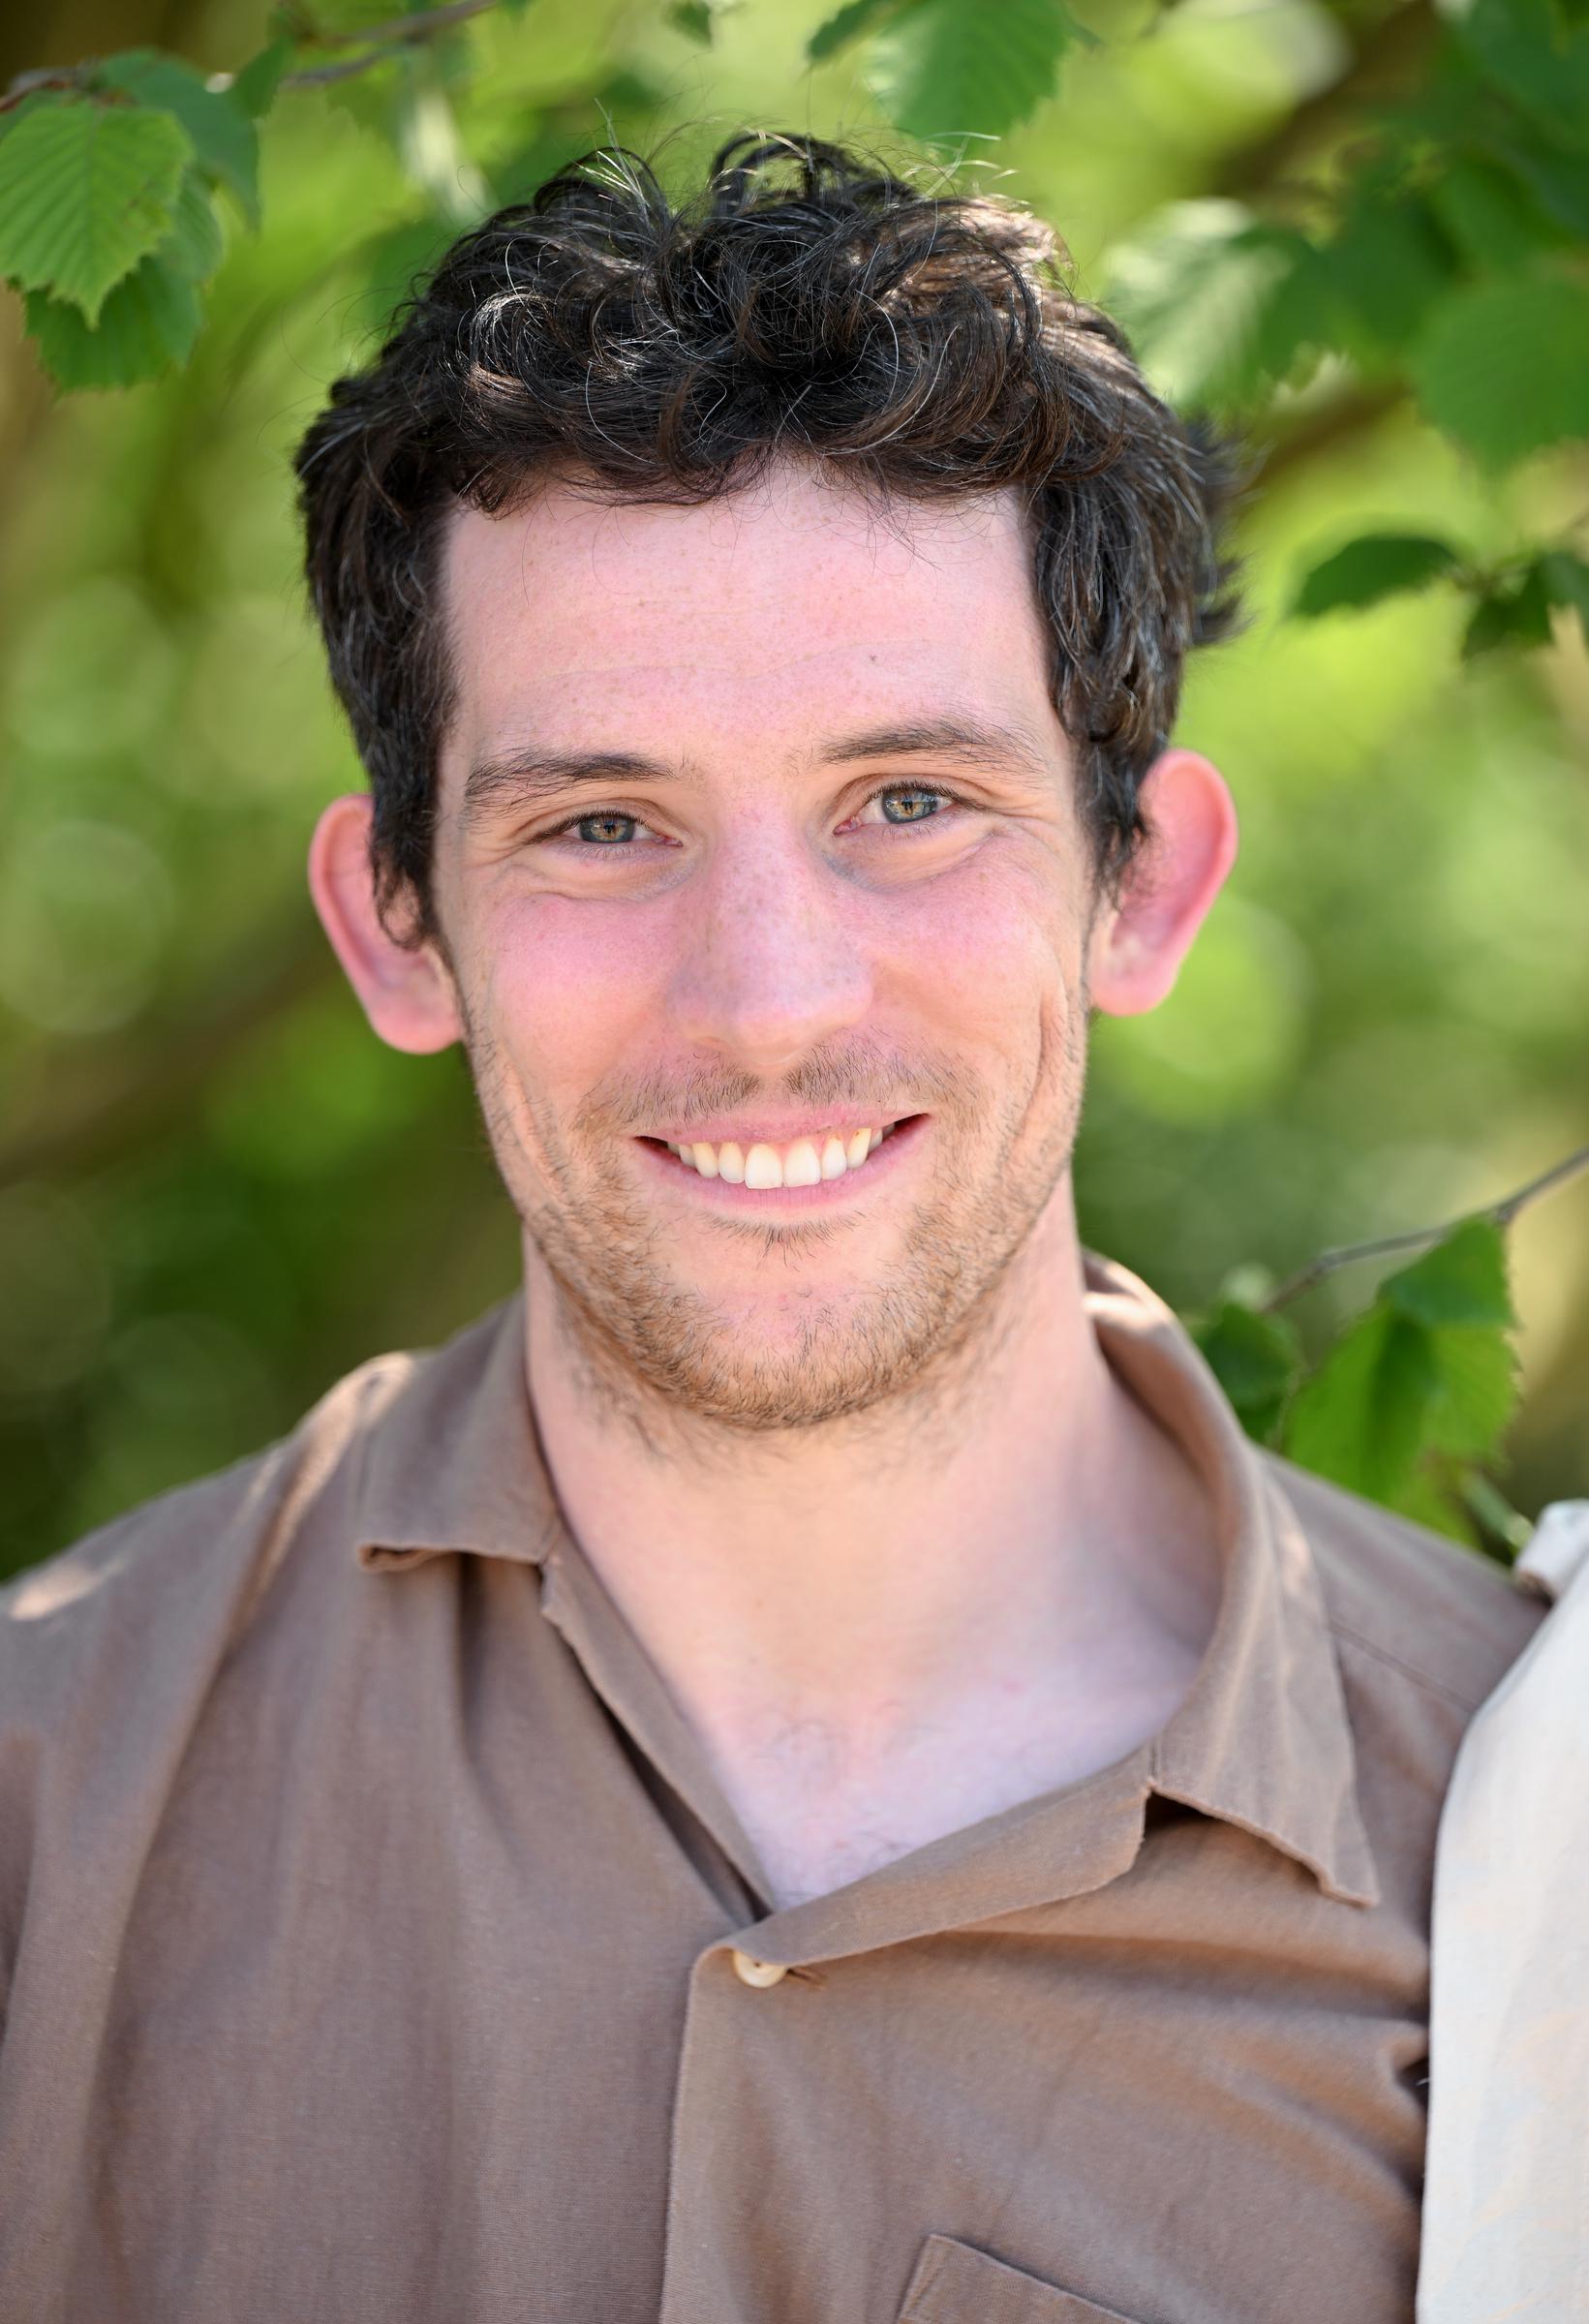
[757,1973]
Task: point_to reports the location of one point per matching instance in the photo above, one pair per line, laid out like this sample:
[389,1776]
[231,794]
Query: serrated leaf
[1377,566]
[86,191]
[947,68]
[1476,1393]
[1566,580]
[1517,616]
[146,323]
[1362,1417]
[220,125]
[851,21]
[1255,1358]
[254,85]
[196,244]
[1462,1280]
[1504,367]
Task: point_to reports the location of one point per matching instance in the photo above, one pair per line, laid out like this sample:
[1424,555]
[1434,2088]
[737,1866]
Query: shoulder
[182,1574]
[1409,1608]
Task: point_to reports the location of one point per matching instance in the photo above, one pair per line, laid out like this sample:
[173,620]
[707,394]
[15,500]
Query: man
[805,1768]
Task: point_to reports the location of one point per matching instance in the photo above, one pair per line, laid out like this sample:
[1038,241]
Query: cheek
[993,948]
[567,983]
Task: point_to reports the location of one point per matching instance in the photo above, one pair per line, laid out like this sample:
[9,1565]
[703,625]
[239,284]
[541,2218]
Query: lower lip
[787,1202]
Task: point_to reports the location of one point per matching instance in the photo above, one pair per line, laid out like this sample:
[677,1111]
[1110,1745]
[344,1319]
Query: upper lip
[771,1129]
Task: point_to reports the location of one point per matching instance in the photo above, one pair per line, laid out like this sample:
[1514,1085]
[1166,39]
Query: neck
[1029,1536]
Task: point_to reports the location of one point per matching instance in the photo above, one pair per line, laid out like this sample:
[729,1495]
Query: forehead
[794,595]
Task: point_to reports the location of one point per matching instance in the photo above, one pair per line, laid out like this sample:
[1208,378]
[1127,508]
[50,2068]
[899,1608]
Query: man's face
[712,868]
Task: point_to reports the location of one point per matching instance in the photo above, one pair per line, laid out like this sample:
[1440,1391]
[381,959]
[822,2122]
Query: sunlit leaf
[145,325]
[218,122]
[1462,1280]
[1364,1414]
[86,190]
[947,68]
[1477,1391]
[195,245]
[254,86]
[1378,564]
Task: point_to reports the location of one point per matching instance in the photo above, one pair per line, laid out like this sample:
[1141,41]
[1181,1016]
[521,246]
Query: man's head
[762,626]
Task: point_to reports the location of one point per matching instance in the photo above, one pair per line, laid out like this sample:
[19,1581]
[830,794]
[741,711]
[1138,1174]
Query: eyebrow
[530,773]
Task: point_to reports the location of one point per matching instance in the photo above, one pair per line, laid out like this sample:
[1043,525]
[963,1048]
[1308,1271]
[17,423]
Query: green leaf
[948,68]
[196,244]
[693,18]
[1524,48]
[1559,181]
[1462,1280]
[86,191]
[1515,616]
[1504,367]
[1476,1390]
[1377,566]
[1256,1359]
[1388,267]
[146,323]
[1566,580]
[851,21]
[1427,1499]
[221,128]
[1491,218]
[254,85]
[1362,1419]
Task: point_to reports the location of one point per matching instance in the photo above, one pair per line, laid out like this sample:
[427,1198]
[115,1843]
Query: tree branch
[384,40]
[1500,1215]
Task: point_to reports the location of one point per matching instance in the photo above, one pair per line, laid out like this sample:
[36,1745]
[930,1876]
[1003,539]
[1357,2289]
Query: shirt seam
[1420,1678]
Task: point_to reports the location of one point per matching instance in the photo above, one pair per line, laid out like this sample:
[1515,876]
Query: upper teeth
[807,1162]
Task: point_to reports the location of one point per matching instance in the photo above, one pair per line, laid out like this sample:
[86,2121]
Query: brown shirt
[376,1947]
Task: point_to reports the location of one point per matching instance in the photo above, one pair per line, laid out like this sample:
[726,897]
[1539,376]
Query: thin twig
[383,40]
[1500,1215]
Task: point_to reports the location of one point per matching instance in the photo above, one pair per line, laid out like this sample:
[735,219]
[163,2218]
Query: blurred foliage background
[218,1192]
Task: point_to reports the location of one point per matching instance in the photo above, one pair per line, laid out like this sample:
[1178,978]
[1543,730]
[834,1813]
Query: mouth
[799,1172]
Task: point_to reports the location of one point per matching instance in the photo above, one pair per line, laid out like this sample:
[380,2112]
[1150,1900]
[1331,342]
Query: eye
[609,827]
[924,801]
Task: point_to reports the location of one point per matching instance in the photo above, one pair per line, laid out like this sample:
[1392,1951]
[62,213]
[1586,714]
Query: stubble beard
[650,1349]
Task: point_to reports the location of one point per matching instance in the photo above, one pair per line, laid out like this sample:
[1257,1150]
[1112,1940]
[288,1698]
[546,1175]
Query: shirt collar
[453,1462]
[1263,1740]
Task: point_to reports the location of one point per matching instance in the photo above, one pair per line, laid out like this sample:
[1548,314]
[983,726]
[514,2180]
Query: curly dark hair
[924,344]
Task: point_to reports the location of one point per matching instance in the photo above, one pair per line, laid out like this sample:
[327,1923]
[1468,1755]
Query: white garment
[1505,2202]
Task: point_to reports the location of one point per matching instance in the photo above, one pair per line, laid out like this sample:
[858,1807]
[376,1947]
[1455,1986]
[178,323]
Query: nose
[773,964]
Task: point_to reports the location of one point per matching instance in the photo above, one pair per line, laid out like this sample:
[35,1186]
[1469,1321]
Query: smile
[761,1167]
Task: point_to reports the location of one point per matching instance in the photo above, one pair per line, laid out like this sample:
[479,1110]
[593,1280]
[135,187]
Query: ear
[406,993]
[1135,949]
